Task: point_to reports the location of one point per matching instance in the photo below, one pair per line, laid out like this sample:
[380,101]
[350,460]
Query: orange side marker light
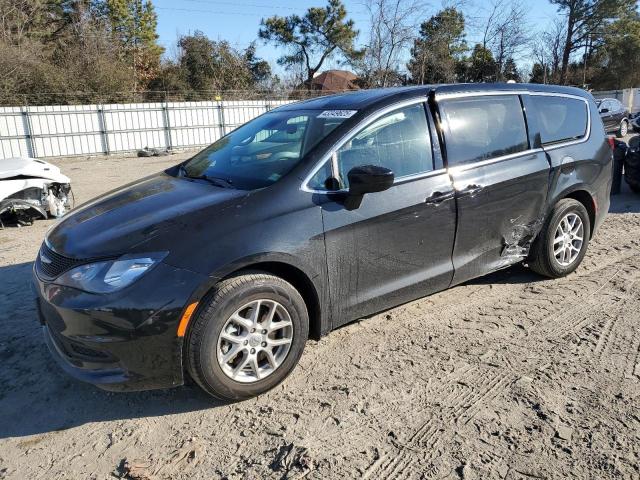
[186,317]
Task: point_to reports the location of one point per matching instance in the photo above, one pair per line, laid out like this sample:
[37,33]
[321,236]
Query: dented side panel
[498,220]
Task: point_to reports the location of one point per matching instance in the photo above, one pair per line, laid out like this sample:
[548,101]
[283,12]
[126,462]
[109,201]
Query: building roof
[335,81]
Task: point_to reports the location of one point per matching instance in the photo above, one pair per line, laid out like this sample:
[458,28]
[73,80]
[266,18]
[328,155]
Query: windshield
[262,151]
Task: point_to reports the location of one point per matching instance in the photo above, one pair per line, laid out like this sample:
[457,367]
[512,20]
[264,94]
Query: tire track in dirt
[459,408]
[592,301]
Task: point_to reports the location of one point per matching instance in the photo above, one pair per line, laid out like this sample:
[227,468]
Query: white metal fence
[66,130]
[52,131]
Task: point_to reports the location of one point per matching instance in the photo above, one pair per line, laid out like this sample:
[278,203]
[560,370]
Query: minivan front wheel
[562,243]
[248,336]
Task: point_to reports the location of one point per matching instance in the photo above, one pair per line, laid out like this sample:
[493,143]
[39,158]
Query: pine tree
[134,24]
[438,50]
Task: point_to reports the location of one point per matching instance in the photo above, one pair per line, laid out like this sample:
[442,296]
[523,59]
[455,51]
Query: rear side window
[561,119]
[481,128]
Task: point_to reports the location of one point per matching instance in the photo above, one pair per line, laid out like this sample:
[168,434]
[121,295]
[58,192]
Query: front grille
[51,264]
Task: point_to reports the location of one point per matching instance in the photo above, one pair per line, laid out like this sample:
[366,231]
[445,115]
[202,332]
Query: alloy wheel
[624,128]
[568,239]
[255,341]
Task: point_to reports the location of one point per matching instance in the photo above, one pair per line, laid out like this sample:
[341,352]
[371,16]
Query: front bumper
[124,341]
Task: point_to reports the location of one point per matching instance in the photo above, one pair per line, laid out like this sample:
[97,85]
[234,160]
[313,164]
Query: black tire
[228,296]
[623,129]
[632,164]
[541,257]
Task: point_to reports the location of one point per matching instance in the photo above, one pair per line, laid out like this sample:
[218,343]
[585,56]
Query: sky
[238,21]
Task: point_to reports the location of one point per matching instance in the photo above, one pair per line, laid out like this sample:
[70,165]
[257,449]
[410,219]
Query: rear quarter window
[560,119]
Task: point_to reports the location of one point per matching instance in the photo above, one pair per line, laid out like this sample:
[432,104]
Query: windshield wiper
[217,181]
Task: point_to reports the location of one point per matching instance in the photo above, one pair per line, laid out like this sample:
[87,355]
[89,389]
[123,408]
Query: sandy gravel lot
[511,376]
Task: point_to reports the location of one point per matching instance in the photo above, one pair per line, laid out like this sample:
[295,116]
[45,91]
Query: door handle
[471,190]
[436,198]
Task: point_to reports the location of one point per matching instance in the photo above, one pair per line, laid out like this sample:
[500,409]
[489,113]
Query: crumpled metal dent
[519,239]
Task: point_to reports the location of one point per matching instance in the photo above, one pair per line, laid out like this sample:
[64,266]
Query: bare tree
[505,32]
[547,49]
[393,28]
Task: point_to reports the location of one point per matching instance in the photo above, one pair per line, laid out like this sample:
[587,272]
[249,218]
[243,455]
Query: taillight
[612,143]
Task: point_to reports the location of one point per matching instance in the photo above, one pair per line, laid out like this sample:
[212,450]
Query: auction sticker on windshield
[337,114]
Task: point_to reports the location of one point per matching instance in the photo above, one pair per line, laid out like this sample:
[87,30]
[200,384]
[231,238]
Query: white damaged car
[31,189]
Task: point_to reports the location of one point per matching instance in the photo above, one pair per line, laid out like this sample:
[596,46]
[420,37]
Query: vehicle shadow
[36,397]
[515,274]
[626,201]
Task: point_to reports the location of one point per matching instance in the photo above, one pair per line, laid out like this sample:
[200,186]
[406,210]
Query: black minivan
[313,215]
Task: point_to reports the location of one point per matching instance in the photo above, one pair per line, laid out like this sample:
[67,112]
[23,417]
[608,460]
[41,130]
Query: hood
[147,215]
[31,167]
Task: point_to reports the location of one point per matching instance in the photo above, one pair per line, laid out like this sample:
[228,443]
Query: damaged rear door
[501,181]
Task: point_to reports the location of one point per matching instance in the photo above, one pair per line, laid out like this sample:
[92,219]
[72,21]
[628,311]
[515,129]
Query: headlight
[112,275]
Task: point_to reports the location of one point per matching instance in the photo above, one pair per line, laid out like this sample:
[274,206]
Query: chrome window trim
[354,130]
[450,95]
[446,96]
[502,158]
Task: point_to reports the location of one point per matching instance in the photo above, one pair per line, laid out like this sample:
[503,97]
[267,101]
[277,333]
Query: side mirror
[604,110]
[369,179]
[366,179]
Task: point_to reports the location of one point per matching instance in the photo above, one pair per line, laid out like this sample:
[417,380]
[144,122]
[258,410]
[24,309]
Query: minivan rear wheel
[623,129]
[248,336]
[562,243]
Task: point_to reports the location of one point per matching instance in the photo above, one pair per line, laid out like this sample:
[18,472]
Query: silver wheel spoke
[278,326]
[231,338]
[279,341]
[270,315]
[254,366]
[255,315]
[231,354]
[243,322]
[241,365]
[573,223]
[271,359]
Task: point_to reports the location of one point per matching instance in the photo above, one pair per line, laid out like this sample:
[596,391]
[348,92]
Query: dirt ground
[509,376]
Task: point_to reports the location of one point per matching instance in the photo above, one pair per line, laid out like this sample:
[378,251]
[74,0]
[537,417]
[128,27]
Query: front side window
[561,119]
[398,141]
[264,150]
[482,128]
